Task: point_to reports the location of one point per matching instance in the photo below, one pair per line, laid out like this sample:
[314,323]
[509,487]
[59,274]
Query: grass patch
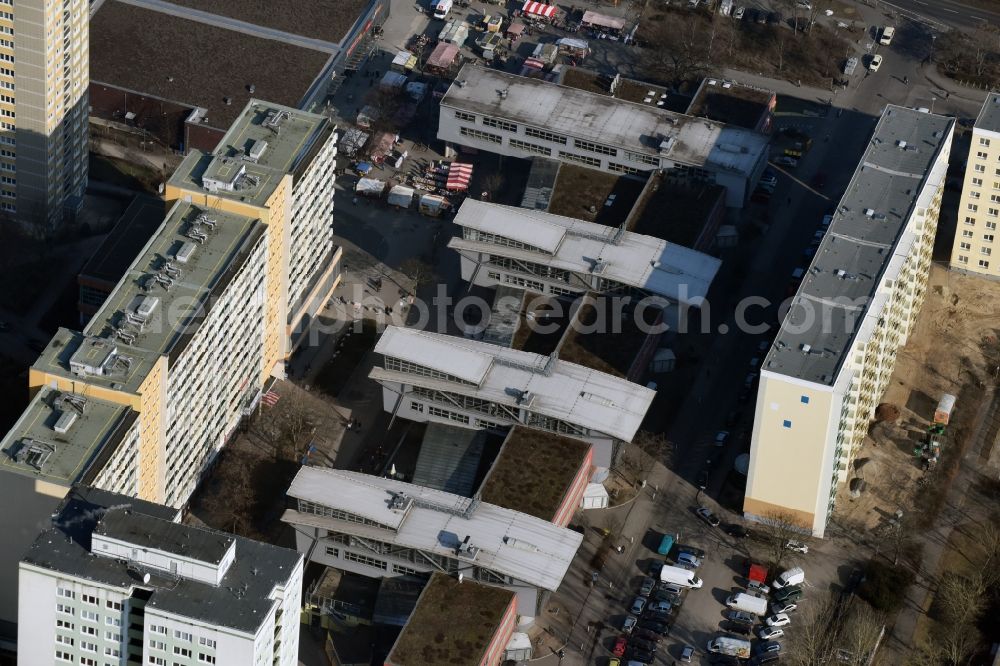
[583,193]
[453,623]
[533,472]
[350,350]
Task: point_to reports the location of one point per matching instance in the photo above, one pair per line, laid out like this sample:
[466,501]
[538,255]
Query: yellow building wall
[277,214]
[153,433]
[39,378]
[978,215]
[788,464]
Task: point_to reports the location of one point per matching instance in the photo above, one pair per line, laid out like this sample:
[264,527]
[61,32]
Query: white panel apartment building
[381,527]
[834,355]
[557,255]
[118,581]
[277,163]
[472,384]
[511,115]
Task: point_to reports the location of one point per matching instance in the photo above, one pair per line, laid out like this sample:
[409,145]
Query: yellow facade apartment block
[976,237]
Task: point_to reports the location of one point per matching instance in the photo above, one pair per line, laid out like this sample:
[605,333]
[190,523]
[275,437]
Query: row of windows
[964,259]
[364,559]
[581,159]
[482,136]
[973,194]
[594,147]
[462,115]
[529,147]
[338,514]
[398,365]
[499,124]
[447,414]
[545,135]
[989,211]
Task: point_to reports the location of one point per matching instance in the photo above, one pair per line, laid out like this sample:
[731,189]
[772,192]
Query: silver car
[688,560]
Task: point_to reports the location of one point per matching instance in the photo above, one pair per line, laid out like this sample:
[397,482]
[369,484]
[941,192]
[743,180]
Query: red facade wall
[571,502]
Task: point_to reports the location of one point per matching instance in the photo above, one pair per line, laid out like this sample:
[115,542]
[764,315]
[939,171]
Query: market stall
[573,48]
[442,59]
[515,30]
[538,10]
[459,176]
[601,24]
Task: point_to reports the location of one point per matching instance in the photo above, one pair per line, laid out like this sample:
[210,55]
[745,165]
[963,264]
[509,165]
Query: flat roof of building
[509,542]
[166,536]
[594,196]
[256,571]
[637,127]
[174,56]
[207,268]
[449,458]
[676,212]
[666,269]
[730,102]
[629,90]
[61,435]
[989,115]
[265,142]
[130,234]
[552,387]
[453,623]
[327,20]
[864,238]
[534,471]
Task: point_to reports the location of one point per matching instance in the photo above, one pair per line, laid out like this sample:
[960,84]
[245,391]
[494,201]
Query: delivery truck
[943,412]
[748,603]
[679,576]
[794,576]
[731,646]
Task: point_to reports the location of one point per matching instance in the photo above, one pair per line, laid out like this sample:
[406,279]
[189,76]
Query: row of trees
[830,631]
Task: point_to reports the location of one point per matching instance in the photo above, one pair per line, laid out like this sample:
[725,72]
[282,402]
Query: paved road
[948,12]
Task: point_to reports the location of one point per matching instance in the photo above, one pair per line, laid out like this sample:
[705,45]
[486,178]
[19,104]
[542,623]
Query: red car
[620,645]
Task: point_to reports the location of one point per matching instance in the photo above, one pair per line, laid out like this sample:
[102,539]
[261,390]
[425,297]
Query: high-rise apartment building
[277,164]
[119,581]
[979,208]
[859,300]
[44,74]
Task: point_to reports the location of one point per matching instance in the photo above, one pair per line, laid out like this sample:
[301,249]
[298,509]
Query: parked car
[659,616]
[787,161]
[653,625]
[629,624]
[765,658]
[643,644]
[688,560]
[648,635]
[638,605]
[738,15]
[741,616]
[647,586]
[737,531]
[740,628]
[792,593]
[660,606]
[620,644]
[778,620]
[797,546]
[783,607]
[670,588]
[687,653]
[721,437]
[875,63]
[767,646]
[642,656]
[770,633]
[706,514]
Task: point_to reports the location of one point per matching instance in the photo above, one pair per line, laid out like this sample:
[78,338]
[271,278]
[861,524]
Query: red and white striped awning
[534,63]
[459,175]
[539,9]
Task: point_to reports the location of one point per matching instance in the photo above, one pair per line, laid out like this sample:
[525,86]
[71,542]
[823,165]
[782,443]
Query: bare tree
[958,643]
[419,271]
[677,48]
[655,447]
[961,598]
[860,634]
[815,638]
[780,43]
[776,529]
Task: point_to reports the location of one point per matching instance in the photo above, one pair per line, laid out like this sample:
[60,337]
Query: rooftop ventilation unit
[64,422]
[197,235]
[666,144]
[184,252]
[806,348]
[93,358]
[33,453]
[206,221]
[73,401]
[466,549]
[902,144]
[148,305]
[125,336]
[275,119]
[526,399]
[255,151]
[599,266]
[593,397]
[400,502]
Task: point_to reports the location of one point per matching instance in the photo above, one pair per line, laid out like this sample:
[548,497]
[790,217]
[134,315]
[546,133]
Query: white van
[887,33]
[679,576]
[794,576]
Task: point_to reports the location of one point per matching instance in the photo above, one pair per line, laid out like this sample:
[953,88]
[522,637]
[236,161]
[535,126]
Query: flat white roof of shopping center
[632,126]
[516,544]
[518,379]
[668,270]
